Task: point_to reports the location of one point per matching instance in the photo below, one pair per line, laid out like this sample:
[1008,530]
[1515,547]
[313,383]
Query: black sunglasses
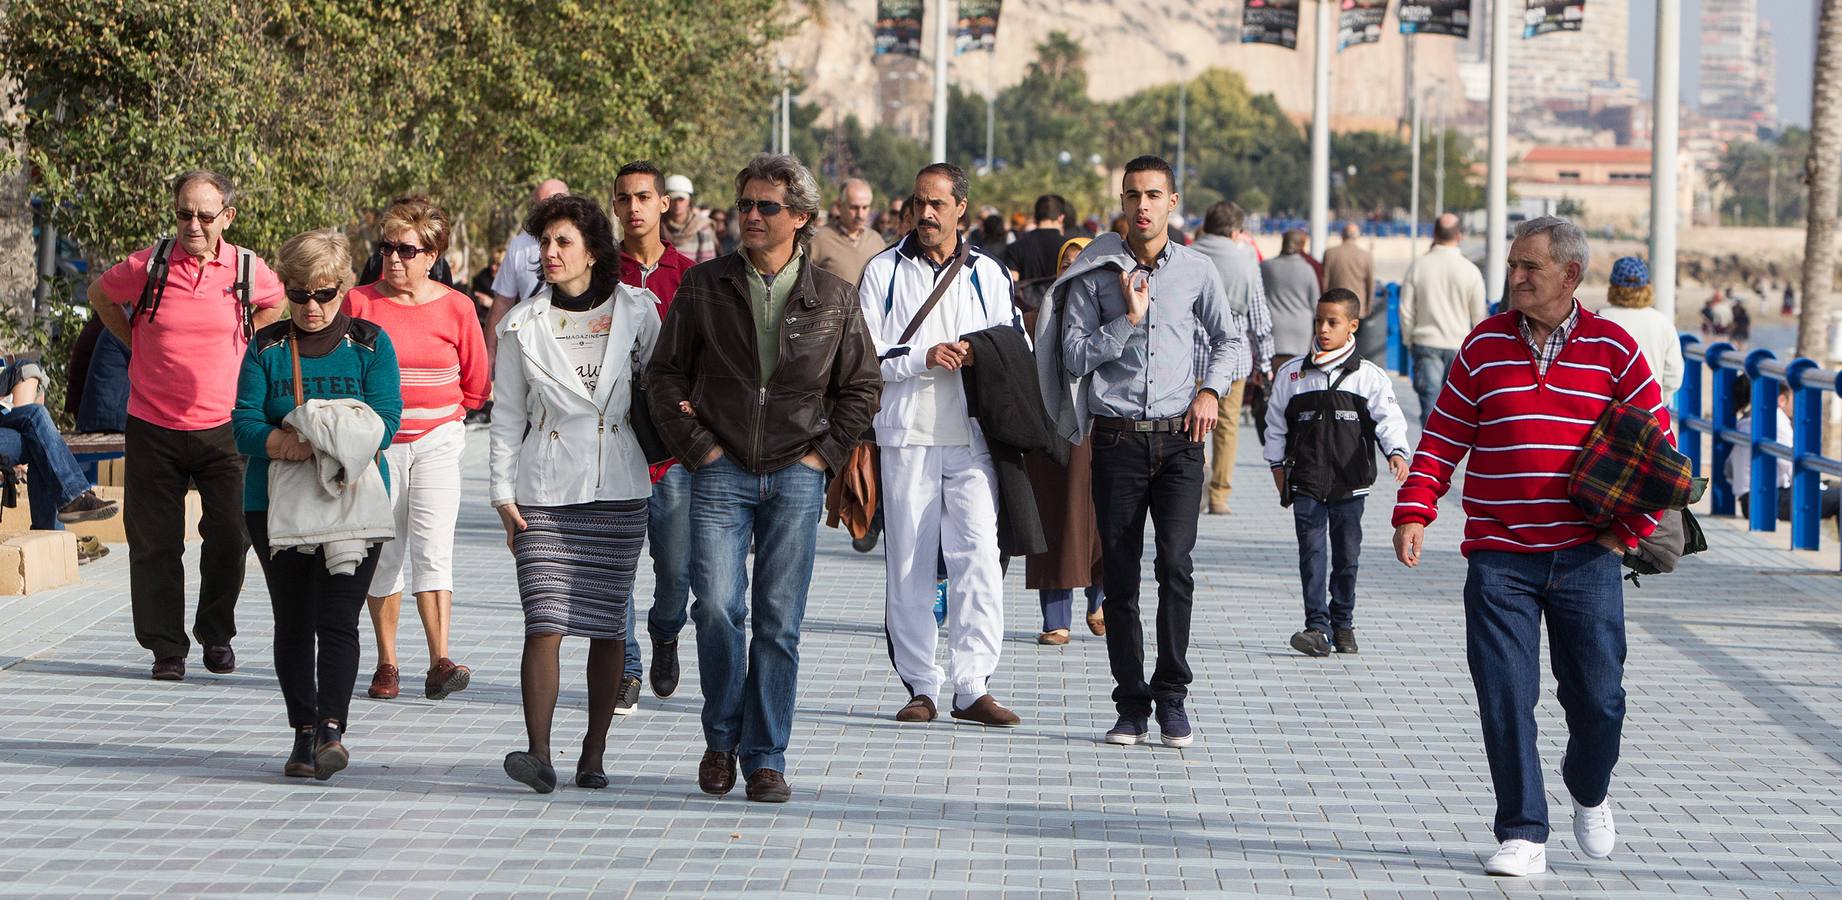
[767,208]
[404,252]
[187,215]
[322,296]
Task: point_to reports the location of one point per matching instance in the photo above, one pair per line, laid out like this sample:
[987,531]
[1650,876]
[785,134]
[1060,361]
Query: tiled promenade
[1345,777]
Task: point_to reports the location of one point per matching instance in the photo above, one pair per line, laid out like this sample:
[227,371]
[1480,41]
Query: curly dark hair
[597,236]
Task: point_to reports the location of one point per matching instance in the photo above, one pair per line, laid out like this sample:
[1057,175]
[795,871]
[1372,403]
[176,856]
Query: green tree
[1763,180]
[321,110]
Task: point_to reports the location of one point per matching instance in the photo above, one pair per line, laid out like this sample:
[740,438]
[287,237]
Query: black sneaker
[1127,731]
[87,508]
[664,671]
[629,699]
[1174,724]
[1345,639]
[1311,642]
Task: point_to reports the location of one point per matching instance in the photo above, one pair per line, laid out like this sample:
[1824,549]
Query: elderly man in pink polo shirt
[187,330]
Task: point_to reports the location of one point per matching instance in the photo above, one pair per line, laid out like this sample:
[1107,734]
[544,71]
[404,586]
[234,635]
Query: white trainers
[1593,830]
[1517,858]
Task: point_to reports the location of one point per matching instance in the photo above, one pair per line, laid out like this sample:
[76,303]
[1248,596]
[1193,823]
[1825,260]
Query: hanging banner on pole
[1544,16]
[898,27]
[978,26]
[1360,22]
[1451,17]
[1270,22]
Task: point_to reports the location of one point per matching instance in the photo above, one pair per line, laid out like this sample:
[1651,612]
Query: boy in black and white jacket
[1327,412]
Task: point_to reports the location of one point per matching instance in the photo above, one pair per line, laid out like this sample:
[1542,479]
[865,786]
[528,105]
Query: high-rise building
[1738,64]
[1566,69]
[1765,65]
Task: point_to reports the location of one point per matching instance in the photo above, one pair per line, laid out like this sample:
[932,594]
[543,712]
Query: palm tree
[1823,174]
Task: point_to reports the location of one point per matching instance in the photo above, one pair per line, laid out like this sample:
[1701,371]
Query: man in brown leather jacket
[763,379]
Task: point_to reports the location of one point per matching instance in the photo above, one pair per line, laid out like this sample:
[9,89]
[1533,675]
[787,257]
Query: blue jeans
[1430,365]
[1058,605]
[668,539]
[749,680]
[1329,545]
[1506,596]
[27,435]
[104,404]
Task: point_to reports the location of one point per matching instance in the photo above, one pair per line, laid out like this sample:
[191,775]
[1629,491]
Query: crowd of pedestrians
[668,379]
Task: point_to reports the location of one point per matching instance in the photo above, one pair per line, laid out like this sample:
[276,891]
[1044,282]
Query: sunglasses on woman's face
[767,208]
[322,296]
[405,252]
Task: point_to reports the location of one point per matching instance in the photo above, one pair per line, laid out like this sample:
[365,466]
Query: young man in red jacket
[1523,393]
[647,261]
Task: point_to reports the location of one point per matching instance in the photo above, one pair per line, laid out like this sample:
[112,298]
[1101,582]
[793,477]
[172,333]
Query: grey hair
[785,170]
[218,182]
[1566,242]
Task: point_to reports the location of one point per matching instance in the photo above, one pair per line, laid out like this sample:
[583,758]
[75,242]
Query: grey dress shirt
[1150,371]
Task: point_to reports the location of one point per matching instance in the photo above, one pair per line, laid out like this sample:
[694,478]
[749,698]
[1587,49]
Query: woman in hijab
[1065,500]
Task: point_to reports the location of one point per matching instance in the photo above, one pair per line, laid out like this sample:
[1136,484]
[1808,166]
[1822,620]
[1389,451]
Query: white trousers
[425,494]
[942,499]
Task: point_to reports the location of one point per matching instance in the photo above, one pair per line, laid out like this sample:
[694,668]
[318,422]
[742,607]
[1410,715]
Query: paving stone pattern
[1353,776]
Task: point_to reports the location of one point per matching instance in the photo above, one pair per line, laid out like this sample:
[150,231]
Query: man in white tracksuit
[939,489]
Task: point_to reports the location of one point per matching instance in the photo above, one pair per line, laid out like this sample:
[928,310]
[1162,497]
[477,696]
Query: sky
[1793,30]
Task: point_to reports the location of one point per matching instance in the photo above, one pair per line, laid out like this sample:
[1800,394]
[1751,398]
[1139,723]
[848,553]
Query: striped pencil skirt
[576,565]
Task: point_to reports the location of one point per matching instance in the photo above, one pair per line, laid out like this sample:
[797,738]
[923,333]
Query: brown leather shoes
[768,786]
[220,659]
[385,683]
[716,774]
[1054,638]
[1096,623]
[986,711]
[919,709]
[169,668]
[446,677]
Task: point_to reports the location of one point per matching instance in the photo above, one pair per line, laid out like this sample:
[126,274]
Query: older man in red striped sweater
[1521,397]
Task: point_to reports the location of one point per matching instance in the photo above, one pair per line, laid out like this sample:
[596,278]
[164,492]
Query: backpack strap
[155,287]
[244,291]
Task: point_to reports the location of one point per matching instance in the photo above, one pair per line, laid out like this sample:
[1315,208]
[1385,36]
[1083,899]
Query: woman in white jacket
[568,476]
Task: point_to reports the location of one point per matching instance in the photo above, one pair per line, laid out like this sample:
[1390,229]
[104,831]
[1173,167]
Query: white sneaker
[1593,830]
[1517,858]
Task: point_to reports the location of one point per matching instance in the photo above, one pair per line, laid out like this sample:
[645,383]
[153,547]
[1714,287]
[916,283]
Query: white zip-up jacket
[319,502]
[578,447]
[895,284]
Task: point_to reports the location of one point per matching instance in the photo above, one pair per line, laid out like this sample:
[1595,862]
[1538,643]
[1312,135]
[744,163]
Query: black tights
[538,681]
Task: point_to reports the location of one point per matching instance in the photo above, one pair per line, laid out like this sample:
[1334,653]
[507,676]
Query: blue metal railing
[1809,383]
[1398,359]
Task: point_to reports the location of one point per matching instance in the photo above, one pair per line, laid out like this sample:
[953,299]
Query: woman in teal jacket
[340,358]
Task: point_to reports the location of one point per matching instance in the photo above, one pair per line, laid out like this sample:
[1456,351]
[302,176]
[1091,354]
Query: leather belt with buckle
[1143,426]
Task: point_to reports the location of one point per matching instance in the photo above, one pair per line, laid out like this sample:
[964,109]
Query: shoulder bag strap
[294,356]
[940,290]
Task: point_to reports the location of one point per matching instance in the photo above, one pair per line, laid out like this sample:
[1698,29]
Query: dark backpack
[159,265]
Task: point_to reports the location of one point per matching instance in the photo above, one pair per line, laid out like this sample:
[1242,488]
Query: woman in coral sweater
[442,354]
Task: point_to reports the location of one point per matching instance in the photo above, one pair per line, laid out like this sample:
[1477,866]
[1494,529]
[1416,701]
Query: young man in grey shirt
[1144,318]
